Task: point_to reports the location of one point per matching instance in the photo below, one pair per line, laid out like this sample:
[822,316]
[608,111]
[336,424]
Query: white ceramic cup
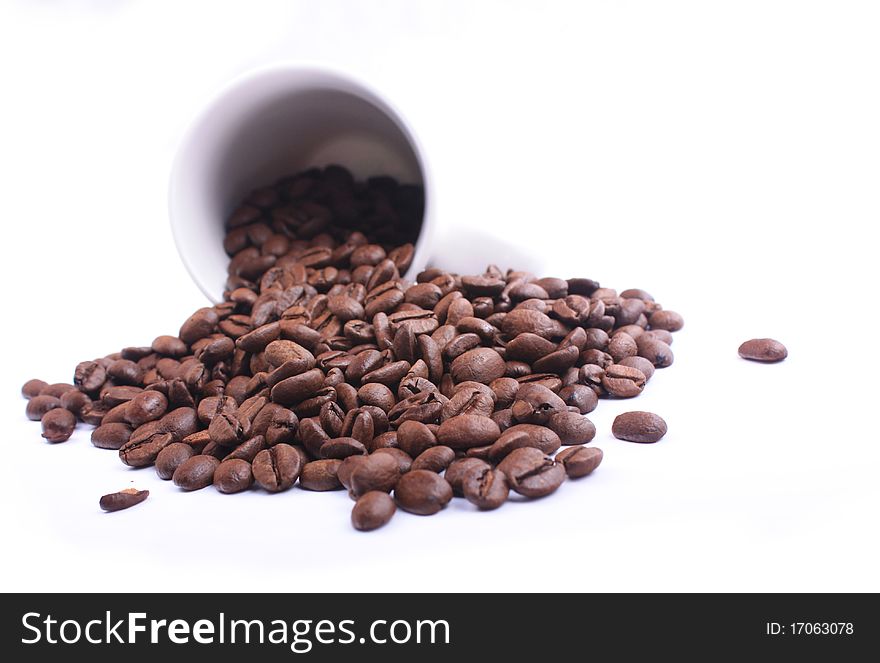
[273,122]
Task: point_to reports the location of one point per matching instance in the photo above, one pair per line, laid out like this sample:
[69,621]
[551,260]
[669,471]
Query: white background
[723,156]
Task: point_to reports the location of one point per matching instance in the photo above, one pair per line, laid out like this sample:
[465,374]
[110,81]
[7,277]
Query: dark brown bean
[639,426]
[763,350]
[124,499]
[372,510]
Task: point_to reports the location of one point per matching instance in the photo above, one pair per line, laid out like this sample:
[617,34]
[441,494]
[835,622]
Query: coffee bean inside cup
[326,366]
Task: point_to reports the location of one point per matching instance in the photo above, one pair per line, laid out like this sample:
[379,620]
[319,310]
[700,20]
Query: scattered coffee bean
[170,458]
[123,499]
[422,492]
[372,510]
[763,349]
[276,469]
[531,473]
[233,476]
[638,427]
[579,461]
[487,489]
[196,473]
[58,425]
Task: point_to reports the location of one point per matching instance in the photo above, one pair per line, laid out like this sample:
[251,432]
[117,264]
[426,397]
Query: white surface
[269,123]
[721,156]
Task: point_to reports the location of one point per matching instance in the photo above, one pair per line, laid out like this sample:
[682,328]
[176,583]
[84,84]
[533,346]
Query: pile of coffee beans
[324,366]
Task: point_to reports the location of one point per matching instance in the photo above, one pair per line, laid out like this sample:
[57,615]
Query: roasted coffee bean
[404,460]
[378,472]
[298,388]
[320,475]
[342,447]
[579,396]
[480,365]
[58,425]
[639,363]
[39,405]
[435,459]
[123,499]
[142,451]
[638,427]
[524,435]
[247,450]
[532,473]
[276,469]
[111,436]
[372,510]
[32,388]
[486,489]
[668,320]
[196,473]
[655,351]
[467,430]
[75,401]
[763,349]
[623,381]
[146,406]
[622,345]
[172,457]
[422,492]
[233,475]
[229,430]
[89,376]
[579,461]
[535,404]
[572,428]
[199,325]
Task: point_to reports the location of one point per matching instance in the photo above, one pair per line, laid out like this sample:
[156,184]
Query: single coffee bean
[668,320]
[532,473]
[655,351]
[171,457]
[40,405]
[229,430]
[487,489]
[32,388]
[572,428]
[414,437]
[123,499]
[580,396]
[146,406]
[196,473]
[111,436]
[435,459]
[247,450]
[480,365]
[233,476]
[58,425]
[524,435]
[342,447]
[372,510]
[404,460]
[579,461]
[422,492]
[763,350]
[639,363]
[638,427]
[142,451]
[467,430]
[75,401]
[623,381]
[89,376]
[320,475]
[378,472]
[276,469]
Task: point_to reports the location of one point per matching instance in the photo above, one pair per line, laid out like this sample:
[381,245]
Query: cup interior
[275,123]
